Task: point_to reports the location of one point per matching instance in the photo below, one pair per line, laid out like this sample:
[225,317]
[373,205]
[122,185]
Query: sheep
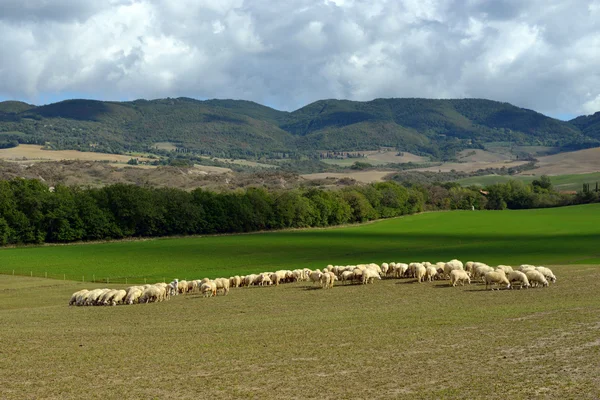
[400,270]
[520,277]
[76,295]
[369,275]
[133,296]
[192,286]
[384,268]
[264,279]
[315,276]
[449,267]
[536,278]
[104,299]
[419,272]
[347,276]
[151,294]
[547,273]
[182,286]
[92,296]
[507,269]
[235,281]
[327,279]
[248,280]
[526,267]
[495,278]
[469,266]
[481,269]
[222,284]
[431,273]
[208,289]
[118,297]
[459,275]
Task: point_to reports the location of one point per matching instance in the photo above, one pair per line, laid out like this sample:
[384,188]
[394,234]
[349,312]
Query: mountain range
[238,128]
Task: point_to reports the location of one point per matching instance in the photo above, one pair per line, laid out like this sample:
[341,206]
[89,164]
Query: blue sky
[541,55]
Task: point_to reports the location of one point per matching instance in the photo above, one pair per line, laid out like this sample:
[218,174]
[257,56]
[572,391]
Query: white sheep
[547,272]
[431,273]
[507,269]
[459,275]
[223,285]
[76,295]
[518,277]
[419,272]
[208,289]
[118,297]
[536,278]
[495,278]
[133,296]
[315,276]
[369,275]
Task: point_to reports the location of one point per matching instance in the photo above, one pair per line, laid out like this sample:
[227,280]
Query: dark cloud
[536,54]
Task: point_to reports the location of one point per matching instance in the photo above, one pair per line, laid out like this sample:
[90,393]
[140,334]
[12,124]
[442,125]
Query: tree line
[32,213]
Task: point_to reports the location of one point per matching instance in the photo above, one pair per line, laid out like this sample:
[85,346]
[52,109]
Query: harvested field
[575,162]
[360,176]
[31,152]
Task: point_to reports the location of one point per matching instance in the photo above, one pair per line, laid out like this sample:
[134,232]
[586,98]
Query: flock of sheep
[454,271]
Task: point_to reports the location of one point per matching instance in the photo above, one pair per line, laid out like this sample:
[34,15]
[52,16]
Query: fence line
[91,278]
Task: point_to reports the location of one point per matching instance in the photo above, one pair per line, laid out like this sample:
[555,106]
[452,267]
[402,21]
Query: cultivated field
[392,339]
[560,182]
[575,162]
[31,152]
[379,158]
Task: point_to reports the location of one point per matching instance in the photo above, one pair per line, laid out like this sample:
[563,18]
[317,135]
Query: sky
[538,54]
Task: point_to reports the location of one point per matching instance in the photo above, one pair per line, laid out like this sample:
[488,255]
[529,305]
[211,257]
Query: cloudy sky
[538,54]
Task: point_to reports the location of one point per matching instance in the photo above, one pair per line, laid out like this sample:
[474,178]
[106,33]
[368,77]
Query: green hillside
[437,128]
[588,124]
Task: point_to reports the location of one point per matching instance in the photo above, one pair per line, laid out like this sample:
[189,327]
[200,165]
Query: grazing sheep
[347,276]
[77,294]
[518,277]
[507,269]
[118,297]
[327,280]
[536,278]
[151,294]
[469,266]
[431,273]
[481,269]
[419,272]
[449,267]
[385,268]
[400,269]
[248,279]
[526,267]
[208,289]
[547,273]
[182,287]
[235,281]
[369,276]
[133,296]
[315,276]
[495,278]
[459,275]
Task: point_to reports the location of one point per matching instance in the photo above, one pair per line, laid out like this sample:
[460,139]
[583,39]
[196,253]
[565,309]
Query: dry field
[360,176]
[470,166]
[575,162]
[30,152]
[391,339]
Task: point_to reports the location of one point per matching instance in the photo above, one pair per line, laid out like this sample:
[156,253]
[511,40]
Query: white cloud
[538,54]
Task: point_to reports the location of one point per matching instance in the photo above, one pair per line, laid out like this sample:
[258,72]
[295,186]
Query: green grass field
[560,182]
[556,236]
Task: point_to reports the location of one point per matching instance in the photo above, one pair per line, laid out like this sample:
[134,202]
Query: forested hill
[242,128]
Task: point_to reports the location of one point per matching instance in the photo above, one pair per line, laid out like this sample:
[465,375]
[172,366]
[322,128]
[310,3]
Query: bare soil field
[575,162]
[360,176]
[391,339]
[34,152]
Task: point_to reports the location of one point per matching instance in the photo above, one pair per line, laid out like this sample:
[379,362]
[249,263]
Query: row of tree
[31,213]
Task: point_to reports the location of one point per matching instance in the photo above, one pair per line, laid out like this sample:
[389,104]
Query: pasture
[391,339]
[567,235]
